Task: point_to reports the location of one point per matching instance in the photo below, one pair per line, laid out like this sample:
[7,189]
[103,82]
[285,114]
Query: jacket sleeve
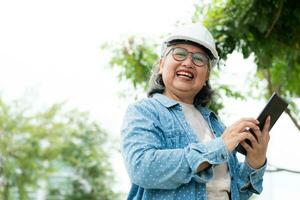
[150,165]
[250,180]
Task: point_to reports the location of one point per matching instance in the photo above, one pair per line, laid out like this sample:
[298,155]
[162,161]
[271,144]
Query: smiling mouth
[185,74]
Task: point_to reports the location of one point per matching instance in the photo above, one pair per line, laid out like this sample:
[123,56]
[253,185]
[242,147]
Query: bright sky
[50,52]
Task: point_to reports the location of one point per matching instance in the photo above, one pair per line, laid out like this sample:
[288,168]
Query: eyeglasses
[198,58]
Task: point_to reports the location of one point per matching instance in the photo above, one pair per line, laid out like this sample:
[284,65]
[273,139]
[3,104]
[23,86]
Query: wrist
[256,164]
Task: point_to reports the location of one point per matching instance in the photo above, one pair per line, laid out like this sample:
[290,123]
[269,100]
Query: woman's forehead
[190,47]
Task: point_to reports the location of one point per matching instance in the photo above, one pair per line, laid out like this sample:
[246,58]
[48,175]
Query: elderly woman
[173,146]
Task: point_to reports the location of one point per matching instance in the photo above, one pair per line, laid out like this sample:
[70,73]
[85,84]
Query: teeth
[185,74]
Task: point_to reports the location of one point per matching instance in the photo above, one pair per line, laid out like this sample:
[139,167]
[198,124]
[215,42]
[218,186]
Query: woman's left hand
[256,153]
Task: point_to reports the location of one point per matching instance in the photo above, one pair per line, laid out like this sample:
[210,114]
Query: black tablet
[275,107]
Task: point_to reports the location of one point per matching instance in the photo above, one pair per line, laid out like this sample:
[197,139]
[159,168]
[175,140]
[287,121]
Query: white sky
[50,52]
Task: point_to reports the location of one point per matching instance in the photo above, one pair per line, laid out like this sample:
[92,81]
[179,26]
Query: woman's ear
[161,65]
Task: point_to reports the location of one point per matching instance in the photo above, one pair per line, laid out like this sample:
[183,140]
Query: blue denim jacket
[162,153]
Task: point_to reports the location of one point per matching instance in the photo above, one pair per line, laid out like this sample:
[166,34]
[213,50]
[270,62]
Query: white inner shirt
[219,186]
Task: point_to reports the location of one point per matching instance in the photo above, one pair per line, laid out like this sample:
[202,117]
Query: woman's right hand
[239,131]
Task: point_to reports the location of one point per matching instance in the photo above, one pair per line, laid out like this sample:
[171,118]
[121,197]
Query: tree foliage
[134,57]
[270,29]
[58,151]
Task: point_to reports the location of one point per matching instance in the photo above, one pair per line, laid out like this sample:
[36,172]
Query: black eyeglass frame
[193,53]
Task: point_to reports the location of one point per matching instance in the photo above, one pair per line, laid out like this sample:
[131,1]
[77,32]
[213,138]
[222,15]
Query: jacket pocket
[176,139]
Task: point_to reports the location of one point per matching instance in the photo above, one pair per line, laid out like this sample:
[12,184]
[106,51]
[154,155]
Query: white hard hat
[196,33]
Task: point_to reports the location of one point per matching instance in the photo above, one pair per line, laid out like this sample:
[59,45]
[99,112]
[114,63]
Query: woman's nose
[188,62]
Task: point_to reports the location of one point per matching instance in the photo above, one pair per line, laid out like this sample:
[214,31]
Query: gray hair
[156,83]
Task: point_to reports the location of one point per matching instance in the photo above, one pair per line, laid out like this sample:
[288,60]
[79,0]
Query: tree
[268,29]
[56,150]
[134,57]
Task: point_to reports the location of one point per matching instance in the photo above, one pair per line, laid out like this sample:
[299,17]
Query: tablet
[275,107]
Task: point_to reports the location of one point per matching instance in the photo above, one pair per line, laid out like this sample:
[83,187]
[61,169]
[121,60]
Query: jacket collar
[168,102]
[164,100]
[206,113]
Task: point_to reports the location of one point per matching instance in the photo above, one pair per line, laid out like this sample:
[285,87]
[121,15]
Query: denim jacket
[162,154]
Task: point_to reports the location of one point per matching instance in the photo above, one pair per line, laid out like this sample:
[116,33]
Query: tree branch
[294,120]
[278,169]
[270,85]
[271,90]
[275,19]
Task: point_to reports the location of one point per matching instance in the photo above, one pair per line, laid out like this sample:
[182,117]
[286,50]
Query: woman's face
[183,79]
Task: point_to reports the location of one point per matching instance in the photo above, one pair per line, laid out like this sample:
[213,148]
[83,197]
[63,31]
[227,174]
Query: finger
[252,139]
[247,119]
[266,137]
[244,125]
[266,133]
[246,146]
[257,134]
[243,136]
[267,124]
